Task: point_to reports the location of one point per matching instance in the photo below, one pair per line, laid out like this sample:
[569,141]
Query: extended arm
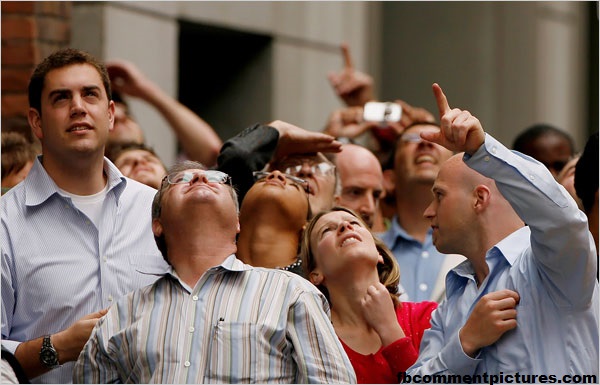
[198,139]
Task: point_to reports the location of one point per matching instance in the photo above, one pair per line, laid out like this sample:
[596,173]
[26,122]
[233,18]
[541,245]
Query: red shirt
[383,367]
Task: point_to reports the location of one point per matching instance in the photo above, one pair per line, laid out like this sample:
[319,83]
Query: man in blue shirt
[416,163]
[526,300]
[76,234]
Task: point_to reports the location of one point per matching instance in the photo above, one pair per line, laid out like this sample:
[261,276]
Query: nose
[276,175]
[199,177]
[306,171]
[343,226]
[429,212]
[77,106]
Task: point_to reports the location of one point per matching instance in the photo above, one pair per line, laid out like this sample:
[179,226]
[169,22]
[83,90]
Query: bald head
[361,181]
[468,213]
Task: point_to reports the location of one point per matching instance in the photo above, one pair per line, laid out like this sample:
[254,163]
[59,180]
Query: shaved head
[361,181]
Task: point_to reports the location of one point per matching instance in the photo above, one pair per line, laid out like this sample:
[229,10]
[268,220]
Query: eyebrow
[68,91]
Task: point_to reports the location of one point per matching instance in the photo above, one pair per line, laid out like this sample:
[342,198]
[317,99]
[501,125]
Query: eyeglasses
[411,137]
[317,167]
[260,175]
[213,176]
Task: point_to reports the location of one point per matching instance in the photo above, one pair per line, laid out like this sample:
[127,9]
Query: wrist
[60,342]
[468,347]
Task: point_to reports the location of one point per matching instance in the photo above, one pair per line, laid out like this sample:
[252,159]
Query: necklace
[292,266]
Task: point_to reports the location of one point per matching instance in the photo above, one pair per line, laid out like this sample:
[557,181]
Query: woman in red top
[359,276]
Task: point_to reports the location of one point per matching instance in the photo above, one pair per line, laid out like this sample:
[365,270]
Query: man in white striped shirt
[212,318]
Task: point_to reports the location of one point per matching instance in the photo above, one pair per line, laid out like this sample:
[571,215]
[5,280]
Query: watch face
[48,357]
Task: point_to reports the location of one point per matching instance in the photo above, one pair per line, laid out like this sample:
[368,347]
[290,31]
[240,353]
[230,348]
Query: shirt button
[531,176]
[195,298]
[425,254]
[423,287]
[486,158]
[494,150]
[105,258]
[110,298]
[192,329]
[186,364]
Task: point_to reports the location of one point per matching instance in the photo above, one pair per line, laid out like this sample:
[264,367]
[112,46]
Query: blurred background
[512,64]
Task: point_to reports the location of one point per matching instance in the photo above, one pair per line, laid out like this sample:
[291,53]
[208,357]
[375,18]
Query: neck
[346,294]
[267,246]
[411,203]
[84,176]
[194,249]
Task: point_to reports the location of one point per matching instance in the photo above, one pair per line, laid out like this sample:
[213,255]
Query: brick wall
[30,32]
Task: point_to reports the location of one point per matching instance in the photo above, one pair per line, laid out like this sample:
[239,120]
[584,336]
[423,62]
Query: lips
[350,239]
[425,158]
[79,127]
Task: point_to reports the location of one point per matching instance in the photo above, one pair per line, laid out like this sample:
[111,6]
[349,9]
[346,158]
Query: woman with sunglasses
[272,217]
[359,276]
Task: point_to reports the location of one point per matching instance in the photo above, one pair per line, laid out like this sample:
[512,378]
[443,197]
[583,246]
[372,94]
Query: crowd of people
[364,253]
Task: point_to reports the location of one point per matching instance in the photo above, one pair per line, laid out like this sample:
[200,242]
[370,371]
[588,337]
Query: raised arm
[198,139]
[562,248]
[355,88]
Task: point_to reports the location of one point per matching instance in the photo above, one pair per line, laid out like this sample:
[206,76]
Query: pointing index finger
[441,100]
[347,57]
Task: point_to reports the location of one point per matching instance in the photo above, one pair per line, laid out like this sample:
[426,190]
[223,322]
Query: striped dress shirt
[239,324]
[57,266]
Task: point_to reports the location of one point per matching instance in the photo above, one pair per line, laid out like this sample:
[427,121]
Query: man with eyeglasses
[212,318]
[75,233]
[416,164]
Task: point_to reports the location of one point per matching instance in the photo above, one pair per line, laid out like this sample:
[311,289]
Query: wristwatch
[48,355]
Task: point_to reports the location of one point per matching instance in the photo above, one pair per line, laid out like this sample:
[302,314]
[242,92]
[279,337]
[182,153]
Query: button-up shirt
[57,266]
[238,324]
[420,263]
[551,264]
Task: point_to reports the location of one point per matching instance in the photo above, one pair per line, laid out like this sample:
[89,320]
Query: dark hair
[16,152]
[161,243]
[389,271]
[59,59]
[586,173]
[530,134]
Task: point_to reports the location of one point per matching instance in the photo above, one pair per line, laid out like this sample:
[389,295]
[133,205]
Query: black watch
[48,355]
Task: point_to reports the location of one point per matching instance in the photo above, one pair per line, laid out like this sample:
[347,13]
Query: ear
[315,277]
[389,180]
[35,122]
[157,227]
[336,199]
[111,115]
[481,193]
[380,258]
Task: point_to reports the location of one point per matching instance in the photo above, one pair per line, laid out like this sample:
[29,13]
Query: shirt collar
[39,186]
[231,263]
[512,246]
[391,236]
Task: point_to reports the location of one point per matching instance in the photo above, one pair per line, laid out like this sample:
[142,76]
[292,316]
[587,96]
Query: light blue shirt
[238,324]
[551,264]
[420,263]
[58,267]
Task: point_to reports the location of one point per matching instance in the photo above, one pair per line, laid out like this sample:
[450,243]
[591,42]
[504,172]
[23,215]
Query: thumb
[432,136]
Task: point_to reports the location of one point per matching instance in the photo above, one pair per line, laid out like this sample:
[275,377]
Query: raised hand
[355,88]
[493,315]
[348,122]
[460,131]
[126,78]
[296,140]
[379,312]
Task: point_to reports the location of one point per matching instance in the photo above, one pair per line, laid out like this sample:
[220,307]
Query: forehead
[301,159]
[130,154]
[422,128]
[72,76]
[334,217]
